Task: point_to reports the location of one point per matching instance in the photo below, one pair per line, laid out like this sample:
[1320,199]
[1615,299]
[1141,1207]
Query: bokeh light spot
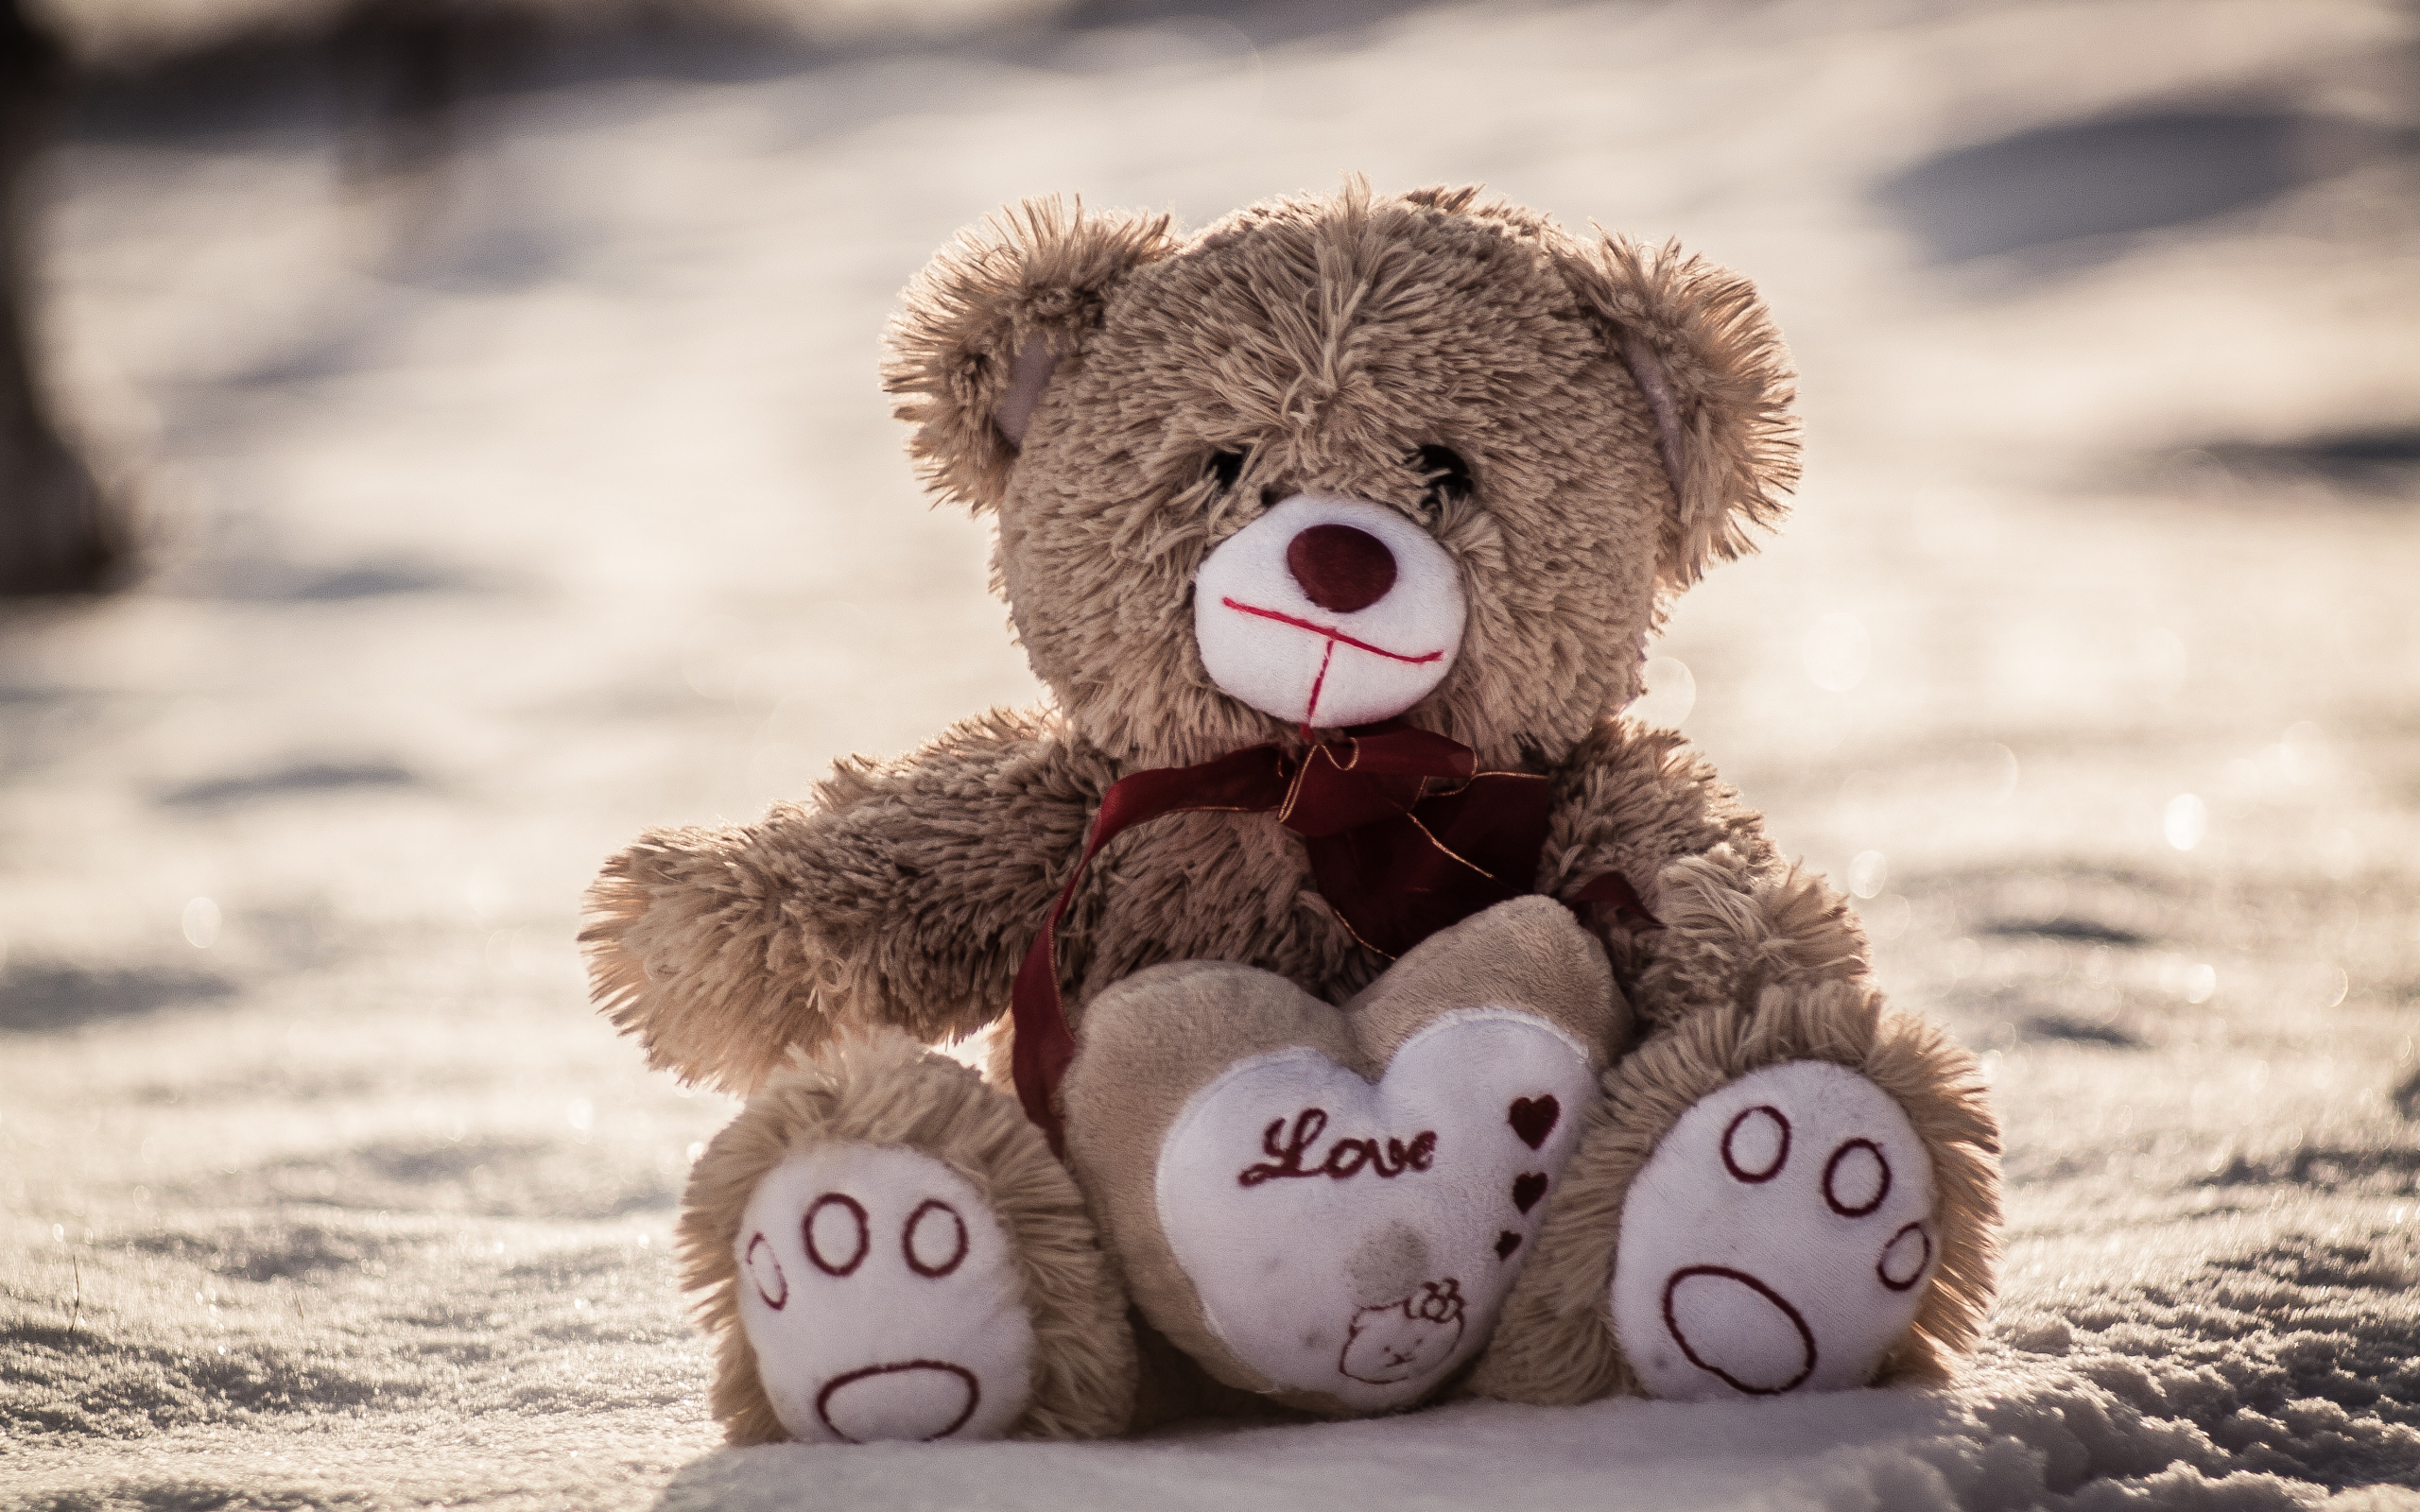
[201,922]
[1672,693]
[2184,821]
[1887,919]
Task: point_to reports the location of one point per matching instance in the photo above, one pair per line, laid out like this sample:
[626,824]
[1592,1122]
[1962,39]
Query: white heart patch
[1358,1238]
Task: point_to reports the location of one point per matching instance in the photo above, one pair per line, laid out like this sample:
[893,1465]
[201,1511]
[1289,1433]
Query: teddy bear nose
[1340,568]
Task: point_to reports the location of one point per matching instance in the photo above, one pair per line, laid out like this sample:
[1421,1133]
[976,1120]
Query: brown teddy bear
[1377,1015]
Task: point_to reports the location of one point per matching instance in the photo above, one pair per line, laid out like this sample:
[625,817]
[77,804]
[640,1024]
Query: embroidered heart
[1534,1118]
[1526,1189]
[1310,1207]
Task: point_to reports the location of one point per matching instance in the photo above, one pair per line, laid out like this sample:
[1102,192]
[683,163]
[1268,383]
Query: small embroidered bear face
[1406,1338]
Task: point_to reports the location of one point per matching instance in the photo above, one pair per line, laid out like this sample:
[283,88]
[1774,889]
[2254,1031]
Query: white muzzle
[1328,612]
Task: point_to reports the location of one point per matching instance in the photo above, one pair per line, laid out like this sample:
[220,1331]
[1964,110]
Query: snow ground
[507,514]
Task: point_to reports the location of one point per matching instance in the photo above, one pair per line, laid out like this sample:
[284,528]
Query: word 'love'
[1290,1151]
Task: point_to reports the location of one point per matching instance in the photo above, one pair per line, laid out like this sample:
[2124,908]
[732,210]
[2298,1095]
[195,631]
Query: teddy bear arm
[1723,915]
[905,894]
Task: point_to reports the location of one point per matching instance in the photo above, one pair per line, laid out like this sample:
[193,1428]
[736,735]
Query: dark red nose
[1340,568]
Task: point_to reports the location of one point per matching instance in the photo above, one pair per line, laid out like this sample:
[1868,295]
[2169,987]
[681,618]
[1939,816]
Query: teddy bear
[1375,1015]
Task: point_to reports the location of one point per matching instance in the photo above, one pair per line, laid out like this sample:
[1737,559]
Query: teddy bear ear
[982,328]
[1717,379]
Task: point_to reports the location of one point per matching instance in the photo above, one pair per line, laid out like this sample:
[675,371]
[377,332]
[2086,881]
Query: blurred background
[467,409]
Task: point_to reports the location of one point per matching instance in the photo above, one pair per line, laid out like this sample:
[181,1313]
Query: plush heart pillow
[1328,1205]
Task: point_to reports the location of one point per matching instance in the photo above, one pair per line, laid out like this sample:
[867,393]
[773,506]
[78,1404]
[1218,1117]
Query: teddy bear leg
[1801,1198]
[887,1250]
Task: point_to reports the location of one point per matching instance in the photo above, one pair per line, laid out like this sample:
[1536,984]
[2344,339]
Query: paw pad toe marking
[914,1400]
[1756,1145]
[835,1225]
[926,1234]
[765,1272]
[1906,1257]
[1856,1178]
[1734,1326]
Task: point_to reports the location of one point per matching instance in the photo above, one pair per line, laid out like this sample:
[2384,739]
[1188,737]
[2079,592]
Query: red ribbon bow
[1405,837]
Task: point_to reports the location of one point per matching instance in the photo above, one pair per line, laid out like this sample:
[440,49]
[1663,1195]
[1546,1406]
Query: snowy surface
[506,512]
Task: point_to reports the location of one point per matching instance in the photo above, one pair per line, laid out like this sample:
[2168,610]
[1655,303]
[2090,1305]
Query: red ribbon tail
[1044,1047]
[1250,780]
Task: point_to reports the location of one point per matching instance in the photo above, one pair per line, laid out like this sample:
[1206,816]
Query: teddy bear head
[1335,460]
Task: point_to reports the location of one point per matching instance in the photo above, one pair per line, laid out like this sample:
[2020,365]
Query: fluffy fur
[888,1090]
[1700,333]
[1035,273]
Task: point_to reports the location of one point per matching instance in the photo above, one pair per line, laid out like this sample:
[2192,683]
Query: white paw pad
[1779,1239]
[878,1292]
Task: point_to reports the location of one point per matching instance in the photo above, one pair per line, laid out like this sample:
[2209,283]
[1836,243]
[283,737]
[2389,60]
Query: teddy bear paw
[1780,1238]
[880,1297]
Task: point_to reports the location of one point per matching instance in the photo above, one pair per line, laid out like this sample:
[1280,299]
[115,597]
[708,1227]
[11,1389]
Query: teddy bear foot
[879,1298]
[894,1256]
[1799,1198]
[1778,1240]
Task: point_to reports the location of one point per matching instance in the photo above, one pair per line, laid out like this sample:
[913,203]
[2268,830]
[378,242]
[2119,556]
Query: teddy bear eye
[1226,467]
[1443,468]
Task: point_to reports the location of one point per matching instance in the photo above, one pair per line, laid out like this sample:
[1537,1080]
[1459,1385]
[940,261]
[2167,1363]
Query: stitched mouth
[1331,633]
